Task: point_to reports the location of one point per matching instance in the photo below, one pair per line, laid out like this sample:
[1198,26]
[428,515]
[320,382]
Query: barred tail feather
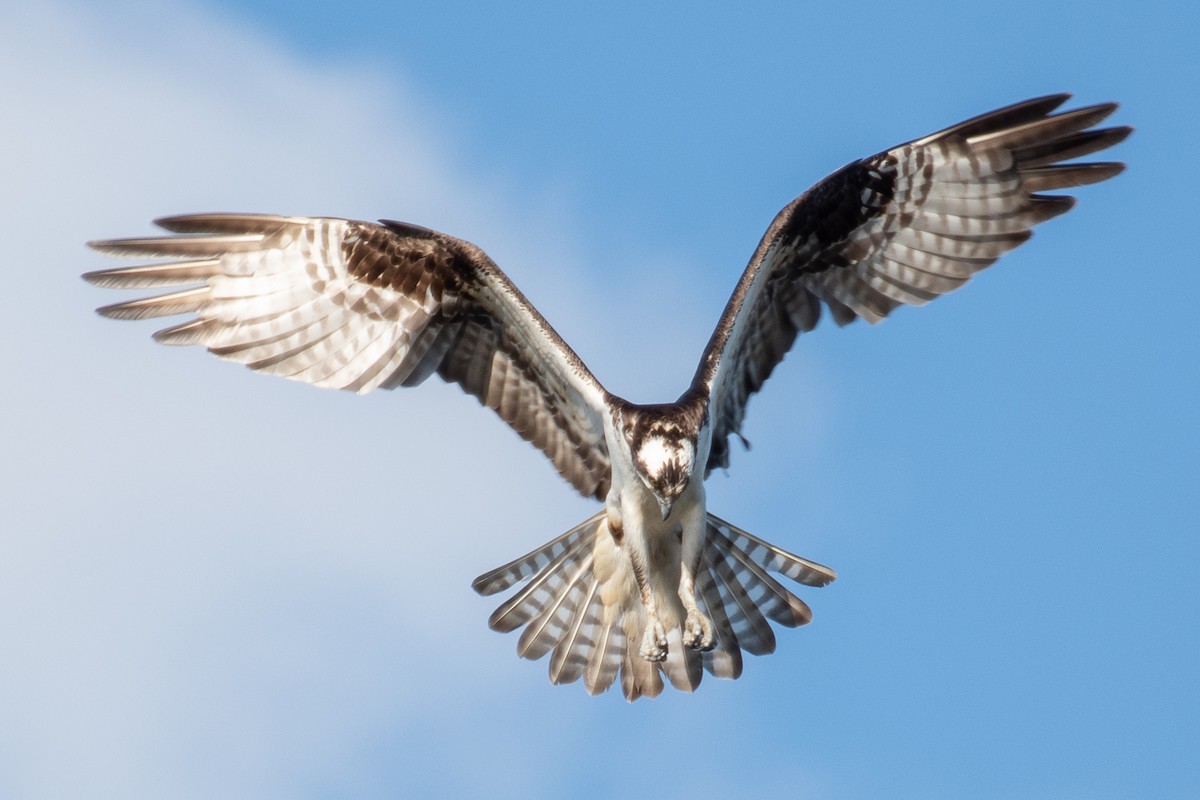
[753,631]
[725,659]
[581,605]
[558,616]
[639,677]
[773,558]
[605,656]
[570,653]
[547,587]
[538,560]
[684,666]
[764,592]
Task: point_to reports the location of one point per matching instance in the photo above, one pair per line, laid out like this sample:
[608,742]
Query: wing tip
[224,222]
[1000,118]
[109,247]
[100,277]
[1117,133]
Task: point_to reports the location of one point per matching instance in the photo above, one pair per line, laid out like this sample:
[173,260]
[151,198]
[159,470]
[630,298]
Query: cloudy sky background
[213,584]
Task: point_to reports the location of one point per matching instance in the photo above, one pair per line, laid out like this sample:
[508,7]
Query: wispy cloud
[202,566]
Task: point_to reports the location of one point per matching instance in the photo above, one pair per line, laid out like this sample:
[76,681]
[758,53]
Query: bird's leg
[697,628]
[654,639]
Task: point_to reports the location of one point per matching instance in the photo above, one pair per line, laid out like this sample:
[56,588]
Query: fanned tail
[581,605]
[537,560]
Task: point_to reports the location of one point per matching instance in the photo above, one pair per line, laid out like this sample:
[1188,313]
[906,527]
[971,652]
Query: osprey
[653,584]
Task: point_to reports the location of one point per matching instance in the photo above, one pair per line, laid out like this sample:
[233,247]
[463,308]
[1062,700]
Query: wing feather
[357,306]
[899,228]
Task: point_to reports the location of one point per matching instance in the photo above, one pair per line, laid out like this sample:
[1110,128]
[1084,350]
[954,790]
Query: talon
[654,642]
[698,631]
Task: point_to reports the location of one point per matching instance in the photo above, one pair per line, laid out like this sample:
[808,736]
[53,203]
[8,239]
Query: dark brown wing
[899,228]
[356,305]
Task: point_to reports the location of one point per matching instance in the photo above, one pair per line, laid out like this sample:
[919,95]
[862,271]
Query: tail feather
[570,653]
[771,598]
[725,659]
[639,677]
[581,605]
[550,566]
[753,631]
[548,628]
[547,586]
[684,666]
[605,656]
[776,559]
[537,560]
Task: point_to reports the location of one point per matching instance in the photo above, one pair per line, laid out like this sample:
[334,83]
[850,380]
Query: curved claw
[698,632]
[654,642]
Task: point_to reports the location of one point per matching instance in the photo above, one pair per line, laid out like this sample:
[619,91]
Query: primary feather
[653,588]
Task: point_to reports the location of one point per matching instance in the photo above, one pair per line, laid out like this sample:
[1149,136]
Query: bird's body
[653,585]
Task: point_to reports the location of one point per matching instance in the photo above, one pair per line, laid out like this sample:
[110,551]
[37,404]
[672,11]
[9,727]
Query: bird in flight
[653,585]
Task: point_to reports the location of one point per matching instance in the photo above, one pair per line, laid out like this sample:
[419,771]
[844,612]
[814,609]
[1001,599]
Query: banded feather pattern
[359,306]
[653,589]
[899,228]
[578,606]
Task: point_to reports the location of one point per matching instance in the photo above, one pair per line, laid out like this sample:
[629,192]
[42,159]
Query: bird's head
[663,452]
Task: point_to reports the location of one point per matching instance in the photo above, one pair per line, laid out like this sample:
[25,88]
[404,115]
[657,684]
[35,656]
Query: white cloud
[207,588]
[188,607]
[213,584]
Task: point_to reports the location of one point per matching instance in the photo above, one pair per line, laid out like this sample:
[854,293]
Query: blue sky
[214,584]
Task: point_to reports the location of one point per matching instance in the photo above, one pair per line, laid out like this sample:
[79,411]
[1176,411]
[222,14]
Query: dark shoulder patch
[410,260]
[836,206]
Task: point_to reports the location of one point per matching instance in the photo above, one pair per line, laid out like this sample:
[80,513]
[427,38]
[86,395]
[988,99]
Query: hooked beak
[665,507]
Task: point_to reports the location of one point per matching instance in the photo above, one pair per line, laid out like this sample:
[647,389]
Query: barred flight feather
[768,556]
[564,611]
[725,659]
[639,677]
[359,306]
[751,627]
[557,614]
[356,305]
[576,653]
[764,591]
[540,592]
[684,666]
[606,652]
[151,276]
[570,652]
[898,228]
[538,560]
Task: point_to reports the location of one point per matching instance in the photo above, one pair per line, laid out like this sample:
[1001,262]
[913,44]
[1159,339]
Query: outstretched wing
[899,228]
[356,305]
